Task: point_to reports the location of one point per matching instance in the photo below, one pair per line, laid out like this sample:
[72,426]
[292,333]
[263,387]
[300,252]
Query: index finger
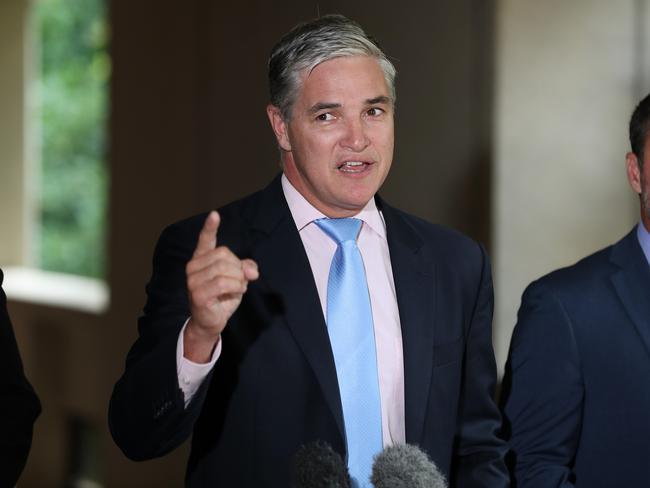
[208,235]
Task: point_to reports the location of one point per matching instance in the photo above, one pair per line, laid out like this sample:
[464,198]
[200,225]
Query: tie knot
[340,230]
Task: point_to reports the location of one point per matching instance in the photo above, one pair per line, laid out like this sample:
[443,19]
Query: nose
[355,137]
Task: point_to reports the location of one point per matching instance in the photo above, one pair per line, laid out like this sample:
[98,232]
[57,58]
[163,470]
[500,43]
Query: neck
[645,210]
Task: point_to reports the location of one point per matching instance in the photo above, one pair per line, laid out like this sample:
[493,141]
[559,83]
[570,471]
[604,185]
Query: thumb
[251,272]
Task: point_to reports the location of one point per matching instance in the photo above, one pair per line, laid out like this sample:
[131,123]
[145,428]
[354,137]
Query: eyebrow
[379,99]
[323,106]
[327,105]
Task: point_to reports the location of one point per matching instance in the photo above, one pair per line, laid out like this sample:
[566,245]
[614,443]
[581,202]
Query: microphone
[405,466]
[317,465]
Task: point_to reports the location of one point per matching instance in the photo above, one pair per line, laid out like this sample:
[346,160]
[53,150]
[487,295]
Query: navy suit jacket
[577,383]
[274,387]
[19,405]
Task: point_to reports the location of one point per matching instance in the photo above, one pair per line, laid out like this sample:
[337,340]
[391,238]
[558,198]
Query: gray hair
[309,44]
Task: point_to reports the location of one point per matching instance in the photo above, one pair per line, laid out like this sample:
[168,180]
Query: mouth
[354,166]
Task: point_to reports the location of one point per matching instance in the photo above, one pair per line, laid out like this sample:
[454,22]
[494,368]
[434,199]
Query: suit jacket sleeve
[543,392]
[479,460]
[147,417]
[19,405]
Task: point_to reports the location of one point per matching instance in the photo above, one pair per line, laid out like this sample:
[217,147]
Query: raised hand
[216,283]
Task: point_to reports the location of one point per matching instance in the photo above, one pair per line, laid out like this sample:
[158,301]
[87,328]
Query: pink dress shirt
[388,335]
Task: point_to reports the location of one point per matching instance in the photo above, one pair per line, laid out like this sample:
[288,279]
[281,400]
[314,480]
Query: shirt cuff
[191,374]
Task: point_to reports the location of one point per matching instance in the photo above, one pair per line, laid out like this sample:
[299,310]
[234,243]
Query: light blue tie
[351,332]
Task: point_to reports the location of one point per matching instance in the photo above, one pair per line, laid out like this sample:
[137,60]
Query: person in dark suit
[19,405]
[235,345]
[577,389]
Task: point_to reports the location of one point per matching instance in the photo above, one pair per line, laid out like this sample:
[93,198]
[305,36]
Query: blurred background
[118,118]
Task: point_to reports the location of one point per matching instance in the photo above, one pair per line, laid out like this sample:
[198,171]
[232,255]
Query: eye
[325,117]
[375,111]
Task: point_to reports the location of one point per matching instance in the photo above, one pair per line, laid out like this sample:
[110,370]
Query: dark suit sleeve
[543,392]
[480,451]
[147,417]
[19,405]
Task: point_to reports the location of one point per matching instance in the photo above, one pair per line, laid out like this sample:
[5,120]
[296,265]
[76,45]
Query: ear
[633,172]
[279,126]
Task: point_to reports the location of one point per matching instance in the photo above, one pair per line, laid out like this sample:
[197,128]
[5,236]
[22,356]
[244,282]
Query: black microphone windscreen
[405,466]
[317,465]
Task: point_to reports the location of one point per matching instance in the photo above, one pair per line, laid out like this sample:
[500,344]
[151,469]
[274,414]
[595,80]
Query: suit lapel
[415,286]
[285,271]
[632,283]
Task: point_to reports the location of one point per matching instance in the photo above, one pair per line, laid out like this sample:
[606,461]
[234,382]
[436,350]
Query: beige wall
[567,79]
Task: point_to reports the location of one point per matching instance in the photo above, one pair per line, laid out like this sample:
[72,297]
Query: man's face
[337,147]
[639,179]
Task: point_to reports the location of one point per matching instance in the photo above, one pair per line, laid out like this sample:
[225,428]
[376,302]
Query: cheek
[384,136]
[387,144]
[318,143]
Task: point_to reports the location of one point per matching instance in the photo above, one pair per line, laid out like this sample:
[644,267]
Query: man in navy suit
[19,405]
[577,383]
[234,348]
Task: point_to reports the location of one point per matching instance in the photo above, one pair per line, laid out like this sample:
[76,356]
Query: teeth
[353,166]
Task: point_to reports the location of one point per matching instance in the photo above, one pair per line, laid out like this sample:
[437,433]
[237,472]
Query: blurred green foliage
[74,89]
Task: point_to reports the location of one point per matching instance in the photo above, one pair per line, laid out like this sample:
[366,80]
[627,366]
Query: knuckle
[219,285]
[191,282]
[227,254]
[197,298]
[218,268]
[221,252]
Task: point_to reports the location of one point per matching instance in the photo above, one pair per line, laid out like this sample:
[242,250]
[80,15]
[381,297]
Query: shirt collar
[305,213]
[644,239]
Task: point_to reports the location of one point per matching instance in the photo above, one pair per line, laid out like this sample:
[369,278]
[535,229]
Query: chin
[361,192]
[357,205]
